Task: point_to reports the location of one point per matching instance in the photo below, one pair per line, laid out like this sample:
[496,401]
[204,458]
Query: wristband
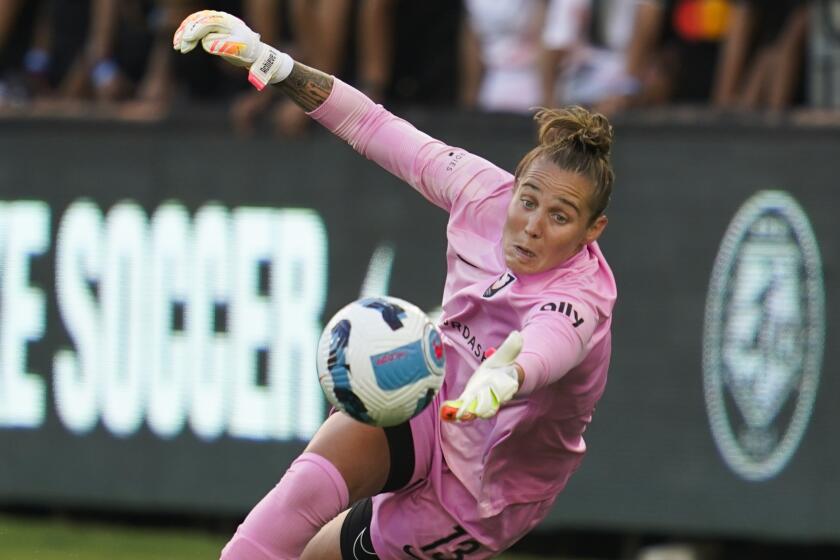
[271,66]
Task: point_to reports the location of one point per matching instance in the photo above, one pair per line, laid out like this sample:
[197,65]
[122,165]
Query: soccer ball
[380,360]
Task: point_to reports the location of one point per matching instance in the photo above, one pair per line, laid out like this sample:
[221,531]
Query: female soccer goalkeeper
[521,257]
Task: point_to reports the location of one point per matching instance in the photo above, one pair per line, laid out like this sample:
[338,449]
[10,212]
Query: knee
[359,452]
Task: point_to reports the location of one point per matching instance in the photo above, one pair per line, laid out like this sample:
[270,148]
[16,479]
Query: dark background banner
[653,464]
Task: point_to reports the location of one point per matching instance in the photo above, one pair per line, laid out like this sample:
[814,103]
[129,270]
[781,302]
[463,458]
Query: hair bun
[575,127]
[576,141]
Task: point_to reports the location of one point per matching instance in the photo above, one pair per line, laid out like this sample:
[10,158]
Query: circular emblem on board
[763,335]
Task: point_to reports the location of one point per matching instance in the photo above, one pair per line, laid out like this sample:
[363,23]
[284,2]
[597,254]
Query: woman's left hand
[494,383]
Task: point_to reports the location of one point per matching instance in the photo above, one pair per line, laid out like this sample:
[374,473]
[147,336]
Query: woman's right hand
[227,36]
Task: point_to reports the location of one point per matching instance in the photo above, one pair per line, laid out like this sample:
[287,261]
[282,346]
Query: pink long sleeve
[439,172]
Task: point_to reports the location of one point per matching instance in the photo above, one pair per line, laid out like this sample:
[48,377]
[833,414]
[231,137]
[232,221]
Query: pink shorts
[434,516]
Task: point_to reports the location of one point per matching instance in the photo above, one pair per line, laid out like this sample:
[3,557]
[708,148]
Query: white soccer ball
[380,360]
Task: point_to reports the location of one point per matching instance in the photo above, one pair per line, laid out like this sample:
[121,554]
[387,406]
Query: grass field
[35,538]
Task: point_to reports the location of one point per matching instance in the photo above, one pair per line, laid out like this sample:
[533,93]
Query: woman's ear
[594,231]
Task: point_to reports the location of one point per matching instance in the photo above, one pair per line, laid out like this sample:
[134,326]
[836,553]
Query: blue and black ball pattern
[340,372]
[392,314]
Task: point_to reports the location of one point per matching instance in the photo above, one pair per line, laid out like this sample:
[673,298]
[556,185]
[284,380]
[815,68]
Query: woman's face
[548,219]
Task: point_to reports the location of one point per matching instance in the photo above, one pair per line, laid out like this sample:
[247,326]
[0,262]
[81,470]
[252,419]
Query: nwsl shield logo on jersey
[763,336]
[503,281]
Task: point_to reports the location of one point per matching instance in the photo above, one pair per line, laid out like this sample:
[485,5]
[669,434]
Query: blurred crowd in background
[87,57]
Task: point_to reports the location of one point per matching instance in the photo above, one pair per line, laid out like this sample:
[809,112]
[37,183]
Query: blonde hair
[578,141]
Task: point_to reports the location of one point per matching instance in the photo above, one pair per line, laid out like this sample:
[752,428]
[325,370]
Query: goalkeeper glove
[229,37]
[494,383]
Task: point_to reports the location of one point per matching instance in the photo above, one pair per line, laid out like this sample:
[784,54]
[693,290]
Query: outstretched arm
[440,172]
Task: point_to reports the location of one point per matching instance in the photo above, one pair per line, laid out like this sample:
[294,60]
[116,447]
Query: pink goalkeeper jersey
[527,452]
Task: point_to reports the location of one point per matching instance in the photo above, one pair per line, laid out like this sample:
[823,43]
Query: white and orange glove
[494,383]
[229,37]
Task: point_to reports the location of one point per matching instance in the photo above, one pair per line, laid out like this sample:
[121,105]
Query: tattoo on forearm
[306,86]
